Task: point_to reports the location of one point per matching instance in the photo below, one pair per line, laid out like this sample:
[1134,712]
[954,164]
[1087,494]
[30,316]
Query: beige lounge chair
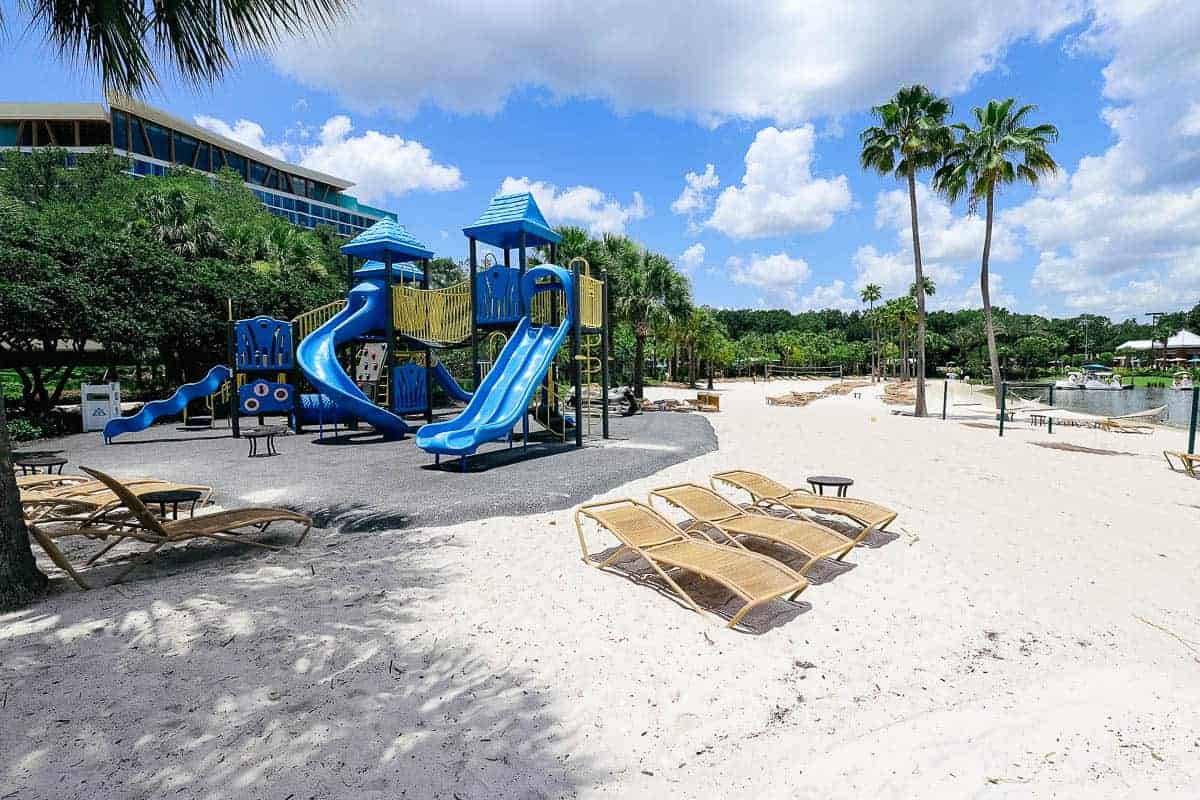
[144,526]
[709,509]
[91,500]
[44,481]
[1187,461]
[766,493]
[755,578]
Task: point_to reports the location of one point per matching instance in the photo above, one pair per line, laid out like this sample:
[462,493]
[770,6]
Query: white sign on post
[99,402]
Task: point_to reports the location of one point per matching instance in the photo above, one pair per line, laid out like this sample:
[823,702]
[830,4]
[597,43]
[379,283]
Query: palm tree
[1001,149]
[651,292]
[870,295]
[911,136]
[122,41]
[115,40]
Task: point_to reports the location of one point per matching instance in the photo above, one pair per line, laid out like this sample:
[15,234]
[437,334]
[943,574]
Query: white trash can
[99,402]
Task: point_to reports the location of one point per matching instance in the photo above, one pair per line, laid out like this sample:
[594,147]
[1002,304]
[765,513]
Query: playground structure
[514,319]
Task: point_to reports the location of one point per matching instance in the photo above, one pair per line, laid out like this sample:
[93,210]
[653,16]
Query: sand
[1030,631]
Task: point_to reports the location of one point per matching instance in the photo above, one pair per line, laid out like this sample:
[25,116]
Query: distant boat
[1182,380]
[1094,381]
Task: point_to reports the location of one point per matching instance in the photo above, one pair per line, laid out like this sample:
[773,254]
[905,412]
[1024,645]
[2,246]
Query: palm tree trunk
[985,291]
[639,358]
[709,370]
[919,410]
[20,579]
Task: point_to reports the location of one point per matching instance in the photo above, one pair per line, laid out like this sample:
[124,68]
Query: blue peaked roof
[386,236]
[502,222]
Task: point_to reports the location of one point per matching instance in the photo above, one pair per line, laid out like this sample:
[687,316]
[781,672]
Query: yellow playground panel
[309,321]
[434,316]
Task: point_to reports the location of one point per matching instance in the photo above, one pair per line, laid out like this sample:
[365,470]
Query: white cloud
[692,257]
[1121,233]
[381,165]
[245,131]
[831,296]
[951,248]
[778,194]
[696,188]
[779,275]
[786,61]
[584,205]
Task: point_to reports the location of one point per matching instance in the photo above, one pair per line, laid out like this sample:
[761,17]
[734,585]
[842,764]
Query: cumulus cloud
[583,205]
[779,194]
[951,246]
[1122,231]
[832,295]
[245,131]
[786,61]
[381,165]
[692,257]
[696,189]
[778,275]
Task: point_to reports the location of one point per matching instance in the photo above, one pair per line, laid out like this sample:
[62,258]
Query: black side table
[268,432]
[31,464]
[819,482]
[174,497]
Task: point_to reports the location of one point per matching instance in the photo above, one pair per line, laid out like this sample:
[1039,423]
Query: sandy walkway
[1032,631]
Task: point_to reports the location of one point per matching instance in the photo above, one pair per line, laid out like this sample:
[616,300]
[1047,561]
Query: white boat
[1095,381]
[1074,380]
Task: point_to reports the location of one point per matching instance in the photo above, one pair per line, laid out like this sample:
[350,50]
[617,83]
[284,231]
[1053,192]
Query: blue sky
[604,129]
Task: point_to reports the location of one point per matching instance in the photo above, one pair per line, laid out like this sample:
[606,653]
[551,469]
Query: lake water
[1126,401]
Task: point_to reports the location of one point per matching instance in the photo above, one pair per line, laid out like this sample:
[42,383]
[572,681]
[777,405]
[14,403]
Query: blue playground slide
[443,376]
[505,393]
[209,384]
[365,311]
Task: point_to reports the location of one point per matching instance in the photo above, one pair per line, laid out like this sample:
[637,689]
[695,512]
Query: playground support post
[234,406]
[521,268]
[474,278]
[1192,426]
[296,377]
[389,356]
[945,395]
[428,354]
[576,337]
[1050,417]
[604,376]
[1003,398]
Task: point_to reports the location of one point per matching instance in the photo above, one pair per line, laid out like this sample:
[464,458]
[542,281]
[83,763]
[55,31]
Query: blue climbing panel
[409,389]
[263,343]
[265,397]
[498,295]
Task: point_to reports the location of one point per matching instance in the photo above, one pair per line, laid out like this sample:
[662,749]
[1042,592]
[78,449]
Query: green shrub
[22,430]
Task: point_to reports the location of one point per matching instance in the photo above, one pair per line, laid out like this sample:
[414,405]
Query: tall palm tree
[651,292]
[911,136]
[121,41]
[870,295]
[1000,150]
[115,40]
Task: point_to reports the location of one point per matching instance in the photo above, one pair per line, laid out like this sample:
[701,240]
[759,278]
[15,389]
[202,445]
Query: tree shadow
[301,675]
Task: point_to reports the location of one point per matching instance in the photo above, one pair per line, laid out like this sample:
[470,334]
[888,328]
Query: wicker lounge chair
[91,500]
[44,481]
[766,493]
[1187,462]
[755,578]
[144,526]
[709,509]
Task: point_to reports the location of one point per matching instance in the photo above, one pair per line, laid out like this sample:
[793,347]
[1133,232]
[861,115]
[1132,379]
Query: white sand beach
[1031,630]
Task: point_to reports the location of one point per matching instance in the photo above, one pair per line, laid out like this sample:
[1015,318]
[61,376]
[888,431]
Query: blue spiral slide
[505,393]
[175,404]
[365,311]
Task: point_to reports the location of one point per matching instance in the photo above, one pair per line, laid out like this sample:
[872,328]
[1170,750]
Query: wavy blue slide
[505,393]
[365,311]
[209,384]
[443,376]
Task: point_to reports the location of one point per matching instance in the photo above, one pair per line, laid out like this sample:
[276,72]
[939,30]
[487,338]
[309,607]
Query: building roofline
[128,104]
[91,112]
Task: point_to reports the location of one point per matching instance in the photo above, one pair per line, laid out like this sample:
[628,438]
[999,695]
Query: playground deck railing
[436,316]
[591,301]
[309,321]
